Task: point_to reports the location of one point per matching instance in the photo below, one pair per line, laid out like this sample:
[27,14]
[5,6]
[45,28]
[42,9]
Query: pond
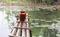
[39,28]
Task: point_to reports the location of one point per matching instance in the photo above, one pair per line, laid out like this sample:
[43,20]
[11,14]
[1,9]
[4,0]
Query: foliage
[15,1]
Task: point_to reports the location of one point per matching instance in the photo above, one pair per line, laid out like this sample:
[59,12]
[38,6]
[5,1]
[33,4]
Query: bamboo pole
[27,23]
[24,30]
[15,30]
[19,30]
[13,33]
[28,32]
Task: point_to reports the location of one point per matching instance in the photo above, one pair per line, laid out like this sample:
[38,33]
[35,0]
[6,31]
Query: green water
[43,32]
[39,21]
[45,18]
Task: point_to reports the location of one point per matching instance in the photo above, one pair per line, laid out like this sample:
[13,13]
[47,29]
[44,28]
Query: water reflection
[4,29]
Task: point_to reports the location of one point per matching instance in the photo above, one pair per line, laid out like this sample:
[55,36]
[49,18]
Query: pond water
[37,30]
[4,30]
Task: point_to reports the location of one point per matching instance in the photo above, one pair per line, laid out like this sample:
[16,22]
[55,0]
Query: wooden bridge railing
[21,29]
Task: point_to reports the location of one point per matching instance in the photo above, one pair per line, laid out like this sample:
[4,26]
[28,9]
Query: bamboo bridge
[21,29]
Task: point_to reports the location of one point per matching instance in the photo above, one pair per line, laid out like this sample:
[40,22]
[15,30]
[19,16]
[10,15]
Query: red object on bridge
[22,16]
